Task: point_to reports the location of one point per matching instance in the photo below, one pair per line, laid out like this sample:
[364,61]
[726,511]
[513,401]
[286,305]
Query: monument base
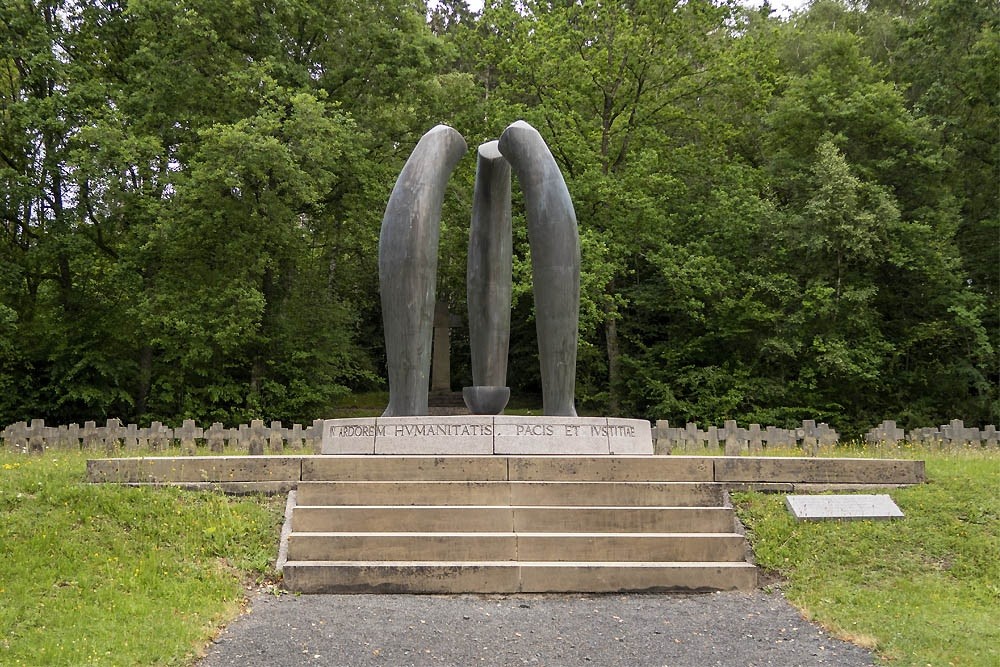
[484,435]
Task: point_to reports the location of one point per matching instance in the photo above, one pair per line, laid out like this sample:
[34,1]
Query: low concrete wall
[278,474]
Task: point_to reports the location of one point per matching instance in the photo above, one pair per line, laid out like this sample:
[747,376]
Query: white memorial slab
[844,507]
[467,434]
[629,436]
[550,435]
[485,435]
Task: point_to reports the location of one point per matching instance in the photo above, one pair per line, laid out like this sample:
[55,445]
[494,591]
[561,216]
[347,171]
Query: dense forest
[781,217]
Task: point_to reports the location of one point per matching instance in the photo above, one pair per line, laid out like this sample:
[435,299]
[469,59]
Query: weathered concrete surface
[771,474]
[612,469]
[461,492]
[818,470]
[196,469]
[404,468]
[431,577]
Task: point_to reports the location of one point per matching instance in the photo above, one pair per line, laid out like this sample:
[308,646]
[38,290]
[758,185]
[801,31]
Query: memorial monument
[408,246]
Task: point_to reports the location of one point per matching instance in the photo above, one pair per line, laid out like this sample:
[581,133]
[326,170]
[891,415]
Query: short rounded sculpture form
[486,400]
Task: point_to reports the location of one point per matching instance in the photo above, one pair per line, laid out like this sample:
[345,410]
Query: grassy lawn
[922,591]
[107,575]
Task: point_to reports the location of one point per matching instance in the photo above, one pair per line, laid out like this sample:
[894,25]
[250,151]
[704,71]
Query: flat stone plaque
[843,507]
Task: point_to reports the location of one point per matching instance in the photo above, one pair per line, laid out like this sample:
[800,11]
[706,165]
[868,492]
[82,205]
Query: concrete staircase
[507,525]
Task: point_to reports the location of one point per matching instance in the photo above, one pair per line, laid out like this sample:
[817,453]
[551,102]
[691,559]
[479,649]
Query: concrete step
[509,468]
[515,577]
[672,494]
[587,547]
[494,518]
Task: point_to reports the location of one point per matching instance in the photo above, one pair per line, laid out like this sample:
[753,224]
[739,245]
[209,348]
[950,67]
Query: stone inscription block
[551,435]
[349,436]
[435,435]
[843,507]
[629,436]
[485,435]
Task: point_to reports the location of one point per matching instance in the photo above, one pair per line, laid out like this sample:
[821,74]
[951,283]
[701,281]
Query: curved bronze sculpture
[488,283]
[555,263]
[408,267]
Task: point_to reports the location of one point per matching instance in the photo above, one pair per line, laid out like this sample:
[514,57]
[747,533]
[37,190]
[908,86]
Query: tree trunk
[614,363]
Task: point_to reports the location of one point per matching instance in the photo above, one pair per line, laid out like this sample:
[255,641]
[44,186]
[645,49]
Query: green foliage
[780,218]
[103,575]
[921,590]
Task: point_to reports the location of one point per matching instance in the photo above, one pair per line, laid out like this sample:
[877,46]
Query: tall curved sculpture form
[555,262]
[407,266]
[488,283]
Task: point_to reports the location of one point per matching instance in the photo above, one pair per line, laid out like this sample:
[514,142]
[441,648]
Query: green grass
[108,575]
[922,591]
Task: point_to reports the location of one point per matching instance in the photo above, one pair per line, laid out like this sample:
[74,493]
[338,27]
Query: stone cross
[276,438]
[889,434]
[712,436]
[810,443]
[661,445]
[73,436]
[314,436]
[90,434]
[990,436]
[257,434]
[756,444]
[827,436]
[111,434]
[160,436]
[953,433]
[295,438]
[731,432]
[36,436]
[215,436]
[131,437]
[188,433]
[13,435]
[692,437]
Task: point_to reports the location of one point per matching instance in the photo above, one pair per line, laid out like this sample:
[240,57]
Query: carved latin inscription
[487,435]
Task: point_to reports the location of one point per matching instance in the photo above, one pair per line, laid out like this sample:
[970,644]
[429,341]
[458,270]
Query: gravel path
[729,629]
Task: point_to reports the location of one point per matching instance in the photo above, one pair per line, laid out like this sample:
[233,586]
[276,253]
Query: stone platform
[280,474]
[480,435]
[508,524]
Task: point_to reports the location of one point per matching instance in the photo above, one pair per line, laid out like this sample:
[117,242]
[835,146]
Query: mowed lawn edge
[101,574]
[111,575]
[923,590]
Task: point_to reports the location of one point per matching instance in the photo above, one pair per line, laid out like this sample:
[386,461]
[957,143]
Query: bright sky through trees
[783,7]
